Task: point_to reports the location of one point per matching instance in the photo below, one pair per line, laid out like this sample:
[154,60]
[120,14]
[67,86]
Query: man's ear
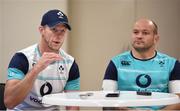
[41,29]
[156,40]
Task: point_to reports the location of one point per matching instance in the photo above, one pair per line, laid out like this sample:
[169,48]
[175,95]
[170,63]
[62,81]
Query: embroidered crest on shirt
[61,69]
[161,63]
[125,63]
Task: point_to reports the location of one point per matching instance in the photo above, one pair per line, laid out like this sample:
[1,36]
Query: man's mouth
[56,42]
[139,42]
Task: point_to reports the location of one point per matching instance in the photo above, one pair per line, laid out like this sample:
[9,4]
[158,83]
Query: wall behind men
[19,21]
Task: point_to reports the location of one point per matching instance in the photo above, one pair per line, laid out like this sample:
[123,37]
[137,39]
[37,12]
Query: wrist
[35,70]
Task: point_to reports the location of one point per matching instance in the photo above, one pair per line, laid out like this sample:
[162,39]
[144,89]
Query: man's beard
[142,49]
[53,49]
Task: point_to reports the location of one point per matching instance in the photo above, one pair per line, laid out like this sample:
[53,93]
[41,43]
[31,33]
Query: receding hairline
[155,27]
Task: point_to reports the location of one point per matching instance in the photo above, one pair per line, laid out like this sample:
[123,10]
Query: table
[99,99]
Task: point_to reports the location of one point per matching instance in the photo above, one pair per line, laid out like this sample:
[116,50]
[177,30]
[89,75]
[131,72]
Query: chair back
[2,106]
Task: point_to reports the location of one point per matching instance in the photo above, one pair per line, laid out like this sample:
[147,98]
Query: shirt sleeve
[73,82]
[111,72]
[18,66]
[175,74]
[174,84]
[110,78]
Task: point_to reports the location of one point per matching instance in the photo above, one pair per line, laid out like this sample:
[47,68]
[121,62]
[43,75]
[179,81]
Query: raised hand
[46,59]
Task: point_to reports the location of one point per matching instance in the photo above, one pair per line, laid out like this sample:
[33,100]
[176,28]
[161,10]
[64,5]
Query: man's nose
[139,35]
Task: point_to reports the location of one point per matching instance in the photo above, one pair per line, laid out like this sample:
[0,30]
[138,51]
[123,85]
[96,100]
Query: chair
[2,106]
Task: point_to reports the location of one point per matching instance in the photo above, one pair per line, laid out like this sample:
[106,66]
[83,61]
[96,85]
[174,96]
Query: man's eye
[145,33]
[135,32]
[63,30]
[54,29]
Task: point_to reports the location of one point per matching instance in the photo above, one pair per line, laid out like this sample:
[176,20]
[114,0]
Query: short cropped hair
[155,27]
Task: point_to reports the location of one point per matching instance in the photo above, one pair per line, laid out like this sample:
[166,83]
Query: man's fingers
[52,55]
[49,57]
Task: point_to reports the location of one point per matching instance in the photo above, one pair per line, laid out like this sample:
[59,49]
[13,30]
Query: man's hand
[46,59]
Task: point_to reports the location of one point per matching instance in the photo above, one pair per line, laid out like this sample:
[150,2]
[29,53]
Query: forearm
[72,108]
[174,106]
[17,90]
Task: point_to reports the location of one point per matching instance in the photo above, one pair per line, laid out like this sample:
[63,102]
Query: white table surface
[98,99]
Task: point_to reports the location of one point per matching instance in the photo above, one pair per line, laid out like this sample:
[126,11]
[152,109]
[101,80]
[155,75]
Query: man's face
[54,37]
[143,37]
